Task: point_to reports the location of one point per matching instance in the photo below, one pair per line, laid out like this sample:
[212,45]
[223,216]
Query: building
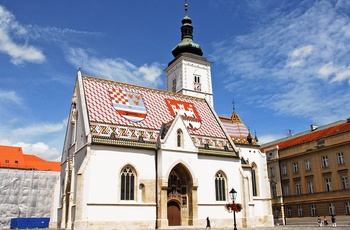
[26,183]
[141,158]
[309,173]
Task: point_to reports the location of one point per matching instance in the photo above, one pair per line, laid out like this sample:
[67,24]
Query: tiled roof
[237,129]
[13,157]
[313,135]
[125,111]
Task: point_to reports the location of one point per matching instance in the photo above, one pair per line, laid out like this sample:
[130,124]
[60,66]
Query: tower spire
[187,45]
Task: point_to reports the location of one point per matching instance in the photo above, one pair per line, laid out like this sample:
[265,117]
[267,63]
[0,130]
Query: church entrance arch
[179,195]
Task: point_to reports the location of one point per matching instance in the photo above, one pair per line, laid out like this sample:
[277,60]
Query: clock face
[197,86]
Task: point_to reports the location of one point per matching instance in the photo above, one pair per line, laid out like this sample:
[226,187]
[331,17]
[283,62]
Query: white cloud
[116,69]
[42,140]
[311,40]
[39,129]
[298,56]
[269,138]
[11,97]
[56,34]
[38,149]
[19,53]
[334,73]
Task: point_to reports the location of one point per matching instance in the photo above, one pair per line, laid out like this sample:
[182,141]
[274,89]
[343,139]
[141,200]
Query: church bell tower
[189,72]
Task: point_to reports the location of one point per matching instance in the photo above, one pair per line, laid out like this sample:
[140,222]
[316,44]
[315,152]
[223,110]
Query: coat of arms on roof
[187,111]
[128,104]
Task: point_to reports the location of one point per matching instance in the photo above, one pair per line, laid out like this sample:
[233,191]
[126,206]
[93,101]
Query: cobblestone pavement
[285,227]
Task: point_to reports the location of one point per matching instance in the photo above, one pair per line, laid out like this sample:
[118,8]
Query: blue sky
[286,64]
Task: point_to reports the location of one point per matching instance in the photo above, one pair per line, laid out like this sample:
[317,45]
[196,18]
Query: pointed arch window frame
[179,138]
[254,180]
[127,183]
[220,186]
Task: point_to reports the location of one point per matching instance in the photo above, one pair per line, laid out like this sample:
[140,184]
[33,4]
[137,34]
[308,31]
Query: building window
[284,170]
[127,181]
[300,211]
[295,167]
[328,183]
[331,209]
[179,138]
[272,171]
[325,162]
[254,182]
[286,189]
[197,83]
[341,158]
[220,187]
[297,189]
[313,210]
[344,182]
[289,211]
[174,85]
[307,165]
[347,207]
[274,191]
[310,187]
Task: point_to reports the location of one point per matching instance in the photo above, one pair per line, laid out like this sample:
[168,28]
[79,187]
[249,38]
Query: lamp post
[233,195]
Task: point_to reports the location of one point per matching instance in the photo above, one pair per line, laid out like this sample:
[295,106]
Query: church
[136,157]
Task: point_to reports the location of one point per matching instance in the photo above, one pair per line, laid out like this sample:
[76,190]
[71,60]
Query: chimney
[313,127]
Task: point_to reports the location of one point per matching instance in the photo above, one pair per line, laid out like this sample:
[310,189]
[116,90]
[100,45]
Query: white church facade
[141,158]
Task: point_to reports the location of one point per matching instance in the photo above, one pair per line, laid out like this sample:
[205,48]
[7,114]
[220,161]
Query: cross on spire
[233,106]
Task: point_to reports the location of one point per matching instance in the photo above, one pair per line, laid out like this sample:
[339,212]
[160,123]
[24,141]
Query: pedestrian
[319,221]
[208,223]
[334,224]
[325,222]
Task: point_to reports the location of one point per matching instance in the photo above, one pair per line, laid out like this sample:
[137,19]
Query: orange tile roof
[13,157]
[313,135]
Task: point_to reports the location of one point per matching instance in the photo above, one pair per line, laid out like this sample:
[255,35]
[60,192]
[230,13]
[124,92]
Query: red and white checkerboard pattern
[101,110]
[118,96]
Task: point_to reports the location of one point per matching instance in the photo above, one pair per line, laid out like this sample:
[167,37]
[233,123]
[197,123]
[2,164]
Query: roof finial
[186,7]
[233,106]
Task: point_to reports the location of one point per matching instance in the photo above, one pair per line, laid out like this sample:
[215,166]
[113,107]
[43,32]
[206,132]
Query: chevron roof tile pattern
[102,111]
[237,130]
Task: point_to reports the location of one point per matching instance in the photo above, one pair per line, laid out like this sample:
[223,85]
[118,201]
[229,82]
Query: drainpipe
[156,184]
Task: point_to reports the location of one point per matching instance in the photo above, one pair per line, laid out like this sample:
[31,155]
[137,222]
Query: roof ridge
[311,135]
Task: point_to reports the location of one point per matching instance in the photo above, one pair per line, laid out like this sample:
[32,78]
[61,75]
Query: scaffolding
[25,193]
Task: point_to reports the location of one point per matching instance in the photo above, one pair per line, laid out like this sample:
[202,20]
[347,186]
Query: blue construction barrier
[30,222]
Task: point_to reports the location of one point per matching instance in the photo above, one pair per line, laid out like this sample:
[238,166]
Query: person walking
[319,221]
[334,224]
[208,223]
[325,222]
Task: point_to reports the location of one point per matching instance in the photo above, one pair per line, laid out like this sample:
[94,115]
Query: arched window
[127,184]
[179,138]
[254,183]
[220,187]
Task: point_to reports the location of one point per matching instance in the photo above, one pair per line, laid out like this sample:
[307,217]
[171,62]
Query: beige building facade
[309,173]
